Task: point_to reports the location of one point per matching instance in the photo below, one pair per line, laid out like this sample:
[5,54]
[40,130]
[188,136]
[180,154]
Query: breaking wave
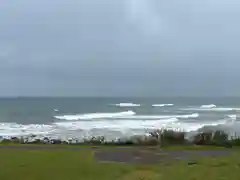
[116,125]
[94,116]
[122,115]
[212,108]
[233,116]
[127,105]
[126,123]
[80,129]
[189,127]
[149,117]
[162,105]
[208,106]
[14,129]
[218,109]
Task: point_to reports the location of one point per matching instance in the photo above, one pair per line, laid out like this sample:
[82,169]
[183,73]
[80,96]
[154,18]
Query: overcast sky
[120,48]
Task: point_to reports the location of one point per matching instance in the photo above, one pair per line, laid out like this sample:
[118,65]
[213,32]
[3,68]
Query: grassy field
[67,164]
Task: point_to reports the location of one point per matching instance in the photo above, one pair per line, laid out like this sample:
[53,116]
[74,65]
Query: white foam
[94,116]
[14,129]
[127,105]
[103,127]
[208,106]
[224,109]
[142,125]
[194,115]
[115,125]
[150,117]
[162,105]
[188,127]
[220,109]
[56,110]
[233,116]
[212,107]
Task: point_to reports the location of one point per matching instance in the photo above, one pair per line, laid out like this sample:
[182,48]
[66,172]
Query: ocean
[114,117]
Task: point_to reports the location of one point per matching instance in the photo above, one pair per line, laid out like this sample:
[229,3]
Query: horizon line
[119,97]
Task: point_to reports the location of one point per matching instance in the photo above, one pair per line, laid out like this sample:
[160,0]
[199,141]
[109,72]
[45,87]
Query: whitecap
[14,129]
[127,105]
[140,125]
[115,125]
[233,116]
[150,117]
[208,106]
[162,105]
[94,116]
[78,129]
[220,109]
[194,126]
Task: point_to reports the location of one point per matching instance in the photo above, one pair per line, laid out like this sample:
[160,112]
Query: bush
[168,137]
[15,140]
[217,138]
[220,136]
[235,142]
[6,141]
[95,140]
[204,138]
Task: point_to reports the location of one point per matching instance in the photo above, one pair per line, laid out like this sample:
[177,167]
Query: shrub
[218,138]
[170,137]
[15,140]
[95,140]
[204,138]
[6,141]
[235,142]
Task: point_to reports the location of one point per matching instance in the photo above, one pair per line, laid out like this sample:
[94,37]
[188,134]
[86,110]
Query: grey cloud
[119,48]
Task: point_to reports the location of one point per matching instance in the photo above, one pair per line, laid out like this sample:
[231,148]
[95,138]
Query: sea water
[114,117]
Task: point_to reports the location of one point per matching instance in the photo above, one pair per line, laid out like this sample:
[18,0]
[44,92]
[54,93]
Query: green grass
[55,164]
[80,165]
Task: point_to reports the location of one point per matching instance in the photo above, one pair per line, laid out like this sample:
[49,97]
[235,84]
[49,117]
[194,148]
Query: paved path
[149,156]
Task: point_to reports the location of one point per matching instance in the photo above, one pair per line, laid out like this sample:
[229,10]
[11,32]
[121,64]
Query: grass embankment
[66,164]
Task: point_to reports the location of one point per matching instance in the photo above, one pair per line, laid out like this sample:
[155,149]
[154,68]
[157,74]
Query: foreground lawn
[17,164]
